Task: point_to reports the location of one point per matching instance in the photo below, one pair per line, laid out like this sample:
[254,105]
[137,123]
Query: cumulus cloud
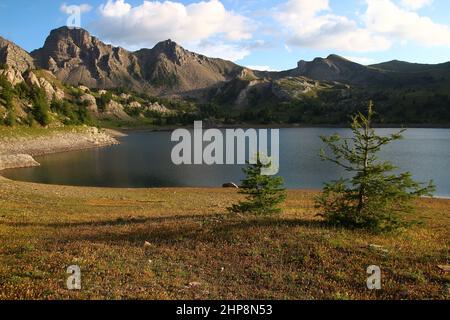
[207,27]
[361,60]
[312,24]
[262,68]
[388,19]
[67,9]
[416,4]
[220,49]
[153,21]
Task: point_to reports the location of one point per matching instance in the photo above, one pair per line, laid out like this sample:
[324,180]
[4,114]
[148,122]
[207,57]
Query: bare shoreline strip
[18,152]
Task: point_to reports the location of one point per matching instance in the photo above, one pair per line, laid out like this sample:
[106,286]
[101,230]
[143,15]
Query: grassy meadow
[181,244]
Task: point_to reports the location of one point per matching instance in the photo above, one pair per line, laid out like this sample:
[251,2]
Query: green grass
[26,131]
[135,123]
[44,229]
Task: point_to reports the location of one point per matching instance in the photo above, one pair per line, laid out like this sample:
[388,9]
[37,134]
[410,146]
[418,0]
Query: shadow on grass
[185,229]
[102,223]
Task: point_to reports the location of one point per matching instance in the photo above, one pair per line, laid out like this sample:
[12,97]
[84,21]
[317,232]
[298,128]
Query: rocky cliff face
[339,69]
[75,57]
[336,68]
[14,56]
[170,68]
[13,75]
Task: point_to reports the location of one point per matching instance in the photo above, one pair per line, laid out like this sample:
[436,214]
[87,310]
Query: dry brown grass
[44,229]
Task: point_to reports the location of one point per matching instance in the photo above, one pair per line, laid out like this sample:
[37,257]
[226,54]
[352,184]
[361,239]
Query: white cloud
[361,60]
[287,48]
[384,17]
[312,24]
[416,4]
[67,9]
[261,68]
[154,21]
[219,49]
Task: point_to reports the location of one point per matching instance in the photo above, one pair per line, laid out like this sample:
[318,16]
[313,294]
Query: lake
[143,159]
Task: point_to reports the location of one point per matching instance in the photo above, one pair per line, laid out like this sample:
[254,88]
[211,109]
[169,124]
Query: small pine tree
[6,91]
[264,193]
[41,108]
[104,100]
[11,117]
[7,97]
[374,198]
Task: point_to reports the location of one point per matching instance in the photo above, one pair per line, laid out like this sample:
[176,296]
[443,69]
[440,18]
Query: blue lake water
[143,159]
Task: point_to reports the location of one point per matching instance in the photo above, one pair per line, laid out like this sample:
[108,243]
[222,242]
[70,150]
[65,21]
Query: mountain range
[326,86]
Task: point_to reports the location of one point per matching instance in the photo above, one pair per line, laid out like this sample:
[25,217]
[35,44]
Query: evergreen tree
[264,193]
[6,91]
[374,198]
[41,108]
[11,117]
[6,98]
[104,100]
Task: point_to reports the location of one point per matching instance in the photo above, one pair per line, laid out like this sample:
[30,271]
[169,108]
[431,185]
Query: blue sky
[264,34]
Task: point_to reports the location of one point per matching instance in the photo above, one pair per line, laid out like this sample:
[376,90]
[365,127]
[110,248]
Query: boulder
[156,107]
[52,65]
[59,94]
[17,161]
[230,185]
[32,80]
[125,96]
[135,104]
[445,268]
[12,75]
[48,88]
[113,108]
[84,89]
[92,106]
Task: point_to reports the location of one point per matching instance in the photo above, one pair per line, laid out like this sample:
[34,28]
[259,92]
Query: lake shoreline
[276,126]
[23,153]
[306,190]
[19,148]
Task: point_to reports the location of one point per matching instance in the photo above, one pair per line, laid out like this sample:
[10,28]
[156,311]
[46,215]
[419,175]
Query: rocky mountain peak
[171,50]
[336,68]
[61,45]
[14,56]
[337,58]
[166,45]
[76,57]
[78,36]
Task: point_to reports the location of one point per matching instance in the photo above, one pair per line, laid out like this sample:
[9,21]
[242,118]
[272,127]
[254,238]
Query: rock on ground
[17,152]
[17,161]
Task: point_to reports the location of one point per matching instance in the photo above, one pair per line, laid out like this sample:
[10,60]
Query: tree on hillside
[264,193]
[6,89]
[41,108]
[374,198]
[104,100]
[6,98]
